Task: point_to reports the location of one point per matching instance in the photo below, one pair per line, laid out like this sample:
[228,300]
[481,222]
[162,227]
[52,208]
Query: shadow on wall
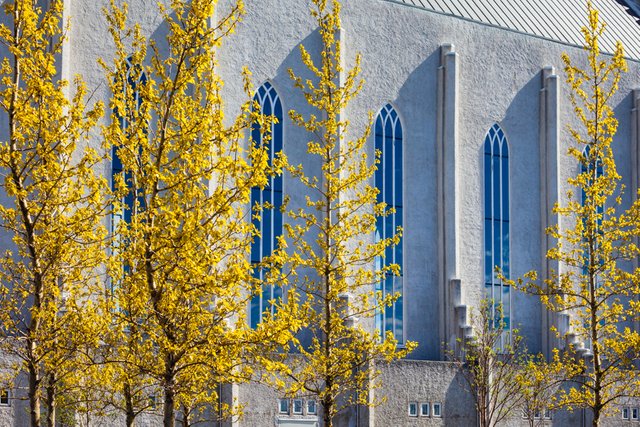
[623,146]
[417,105]
[459,408]
[159,36]
[295,138]
[521,125]
[5,236]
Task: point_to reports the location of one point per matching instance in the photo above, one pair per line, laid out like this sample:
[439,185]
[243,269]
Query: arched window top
[593,169]
[269,100]
[388,120]
[586,152]
[131,87]
[141,75]
[134,80]
[270,105]
[495,143]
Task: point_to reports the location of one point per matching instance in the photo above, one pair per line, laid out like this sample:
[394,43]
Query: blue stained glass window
[269,223]
[388,180]
[496,226]
[135,79]
[593,170]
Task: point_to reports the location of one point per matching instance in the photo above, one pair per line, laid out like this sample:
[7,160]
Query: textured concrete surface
[422,382]
[499,82]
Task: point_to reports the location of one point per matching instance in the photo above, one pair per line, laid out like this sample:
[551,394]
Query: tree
[596,287]
[179,267]
[331,237]
[116,364]
[51,208]
[491,365]
[540,381]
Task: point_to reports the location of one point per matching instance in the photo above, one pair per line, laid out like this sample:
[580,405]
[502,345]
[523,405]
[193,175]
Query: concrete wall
[423,382]
[498,79]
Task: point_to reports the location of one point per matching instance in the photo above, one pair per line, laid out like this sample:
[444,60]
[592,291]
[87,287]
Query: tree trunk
[483,404]
[185,416]
[596,417]
[51,402]
[34,392]
[128,399]
[169,402]
[328,408]
[32,367]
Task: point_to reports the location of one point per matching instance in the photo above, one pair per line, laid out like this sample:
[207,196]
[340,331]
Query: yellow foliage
[331,240]
[179,263]
[52,211]
[596,286]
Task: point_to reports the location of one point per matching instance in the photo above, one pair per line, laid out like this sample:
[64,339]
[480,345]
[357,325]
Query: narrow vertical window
[496,227]
[268,200]
[135,78]
[592,170]
[388,181]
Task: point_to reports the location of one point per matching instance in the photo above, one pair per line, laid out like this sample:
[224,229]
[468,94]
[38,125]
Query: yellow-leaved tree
[540,381]
[596,244]
[490,367]
[51,209]
[331,239]
[179,266]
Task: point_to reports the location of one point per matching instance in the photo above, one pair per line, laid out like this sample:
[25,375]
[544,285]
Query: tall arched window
[592,169]
[388,181]
[135,78]
[269,223]
[496,225]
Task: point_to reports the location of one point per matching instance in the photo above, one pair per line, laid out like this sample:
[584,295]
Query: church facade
[473,98]
[482,108]
[478,103]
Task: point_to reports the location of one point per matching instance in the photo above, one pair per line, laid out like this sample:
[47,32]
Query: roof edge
[632,7]
[624,3]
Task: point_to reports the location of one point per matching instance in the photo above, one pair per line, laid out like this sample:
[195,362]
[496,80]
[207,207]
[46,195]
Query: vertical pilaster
[340,40]
[448,194]
[340,37]
[235,402]
[550,193]
[635,161]
[213,19]
[364,415]
[65,62]
[635,143]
